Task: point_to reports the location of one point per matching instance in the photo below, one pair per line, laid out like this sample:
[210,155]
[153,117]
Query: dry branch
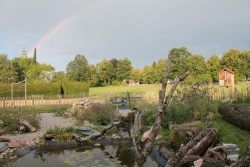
[94,136]
[149,136]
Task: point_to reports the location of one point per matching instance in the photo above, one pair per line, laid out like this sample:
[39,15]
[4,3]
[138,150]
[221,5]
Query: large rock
[86,131]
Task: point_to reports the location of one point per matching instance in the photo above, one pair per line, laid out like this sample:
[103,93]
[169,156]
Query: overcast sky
[140,30]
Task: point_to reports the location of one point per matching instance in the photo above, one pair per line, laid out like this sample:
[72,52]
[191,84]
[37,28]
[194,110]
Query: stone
[86,131]
[233,151]
[17,143]
[3,146]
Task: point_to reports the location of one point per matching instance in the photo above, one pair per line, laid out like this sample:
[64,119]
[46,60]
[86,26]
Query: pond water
[120,155]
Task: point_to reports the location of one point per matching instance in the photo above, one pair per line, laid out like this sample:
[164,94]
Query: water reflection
[122,155]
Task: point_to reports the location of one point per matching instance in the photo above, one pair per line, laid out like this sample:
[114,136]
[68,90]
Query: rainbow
[63,22]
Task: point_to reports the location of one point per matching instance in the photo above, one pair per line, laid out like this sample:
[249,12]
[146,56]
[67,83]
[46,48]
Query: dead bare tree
[149,136]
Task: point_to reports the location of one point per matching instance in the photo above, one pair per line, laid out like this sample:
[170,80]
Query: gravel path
[48,120]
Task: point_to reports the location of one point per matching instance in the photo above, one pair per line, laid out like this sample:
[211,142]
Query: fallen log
[197,146]
[239,116]
[26,124]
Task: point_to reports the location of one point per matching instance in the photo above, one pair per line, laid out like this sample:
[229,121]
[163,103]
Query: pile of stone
[81,105]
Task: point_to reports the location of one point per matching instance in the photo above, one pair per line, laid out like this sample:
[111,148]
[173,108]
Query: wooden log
[21,129]
[239,116]
[26,124]
[3,139]
[194,147]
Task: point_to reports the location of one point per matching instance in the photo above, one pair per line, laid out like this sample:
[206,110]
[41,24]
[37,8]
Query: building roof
[226,69]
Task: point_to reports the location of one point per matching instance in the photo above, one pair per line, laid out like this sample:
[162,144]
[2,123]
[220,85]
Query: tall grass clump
[99,114]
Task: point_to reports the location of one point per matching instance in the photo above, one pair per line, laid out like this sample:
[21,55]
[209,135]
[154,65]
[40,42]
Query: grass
[229,133]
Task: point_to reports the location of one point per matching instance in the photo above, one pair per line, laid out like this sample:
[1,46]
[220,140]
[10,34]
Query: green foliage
[78,69]
[189,104]
[213,65]
[149,111]
[123,70]
[106,71]
[116,83]
[99,114]
[148,118]
[148,75]
[7,72]
[75,87]
[135,74]
[5,90]
[43,89]
[102,119]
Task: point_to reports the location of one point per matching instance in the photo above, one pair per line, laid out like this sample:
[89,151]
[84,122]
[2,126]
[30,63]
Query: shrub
[190,104]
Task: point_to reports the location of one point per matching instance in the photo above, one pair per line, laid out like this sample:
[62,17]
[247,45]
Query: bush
[190,104]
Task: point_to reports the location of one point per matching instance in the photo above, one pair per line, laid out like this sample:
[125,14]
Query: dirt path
[48,120]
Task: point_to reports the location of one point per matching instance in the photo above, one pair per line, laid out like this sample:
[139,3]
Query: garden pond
[115,155]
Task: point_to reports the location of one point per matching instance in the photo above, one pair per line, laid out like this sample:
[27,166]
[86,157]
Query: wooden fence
[39,100]
[215,93]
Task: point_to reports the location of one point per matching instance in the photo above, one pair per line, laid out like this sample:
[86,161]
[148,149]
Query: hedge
[44,89]
[75,87]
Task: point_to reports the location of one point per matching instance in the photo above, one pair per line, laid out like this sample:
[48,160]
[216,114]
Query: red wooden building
[226,77]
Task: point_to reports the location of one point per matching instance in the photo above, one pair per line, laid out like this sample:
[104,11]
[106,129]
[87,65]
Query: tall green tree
[59,77]
[231,60]
[245,64]
[40,73]
[105,71]
[197,65]
[93,75]
[180,61]
[78,69]
[213,65]
[148,75]
[21,66]
[7,72]
[123,70]
[136,75]
[160,69]
[34,57]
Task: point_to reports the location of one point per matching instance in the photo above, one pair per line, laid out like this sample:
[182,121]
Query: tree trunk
[149,136]
[26,124]
[239,116]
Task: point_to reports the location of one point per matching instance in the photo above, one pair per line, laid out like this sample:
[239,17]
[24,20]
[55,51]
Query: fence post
[59,101]
[4,102]
[33,102]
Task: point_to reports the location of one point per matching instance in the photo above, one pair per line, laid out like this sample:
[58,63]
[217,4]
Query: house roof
[226,69]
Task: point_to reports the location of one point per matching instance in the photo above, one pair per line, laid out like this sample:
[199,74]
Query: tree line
[115,71]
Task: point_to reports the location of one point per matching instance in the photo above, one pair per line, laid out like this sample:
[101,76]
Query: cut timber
[239,116]
[26,124]
[197,146]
